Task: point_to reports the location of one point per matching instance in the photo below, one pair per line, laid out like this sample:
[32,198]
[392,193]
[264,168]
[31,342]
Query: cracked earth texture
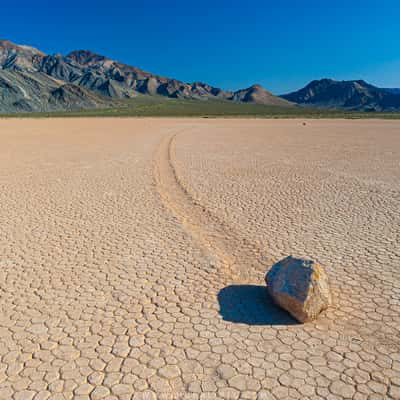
[133,252]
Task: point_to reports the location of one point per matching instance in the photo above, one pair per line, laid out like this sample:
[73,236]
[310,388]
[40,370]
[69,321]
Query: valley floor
[133,253]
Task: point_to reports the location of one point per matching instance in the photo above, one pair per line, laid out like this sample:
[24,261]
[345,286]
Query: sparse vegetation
[157,106]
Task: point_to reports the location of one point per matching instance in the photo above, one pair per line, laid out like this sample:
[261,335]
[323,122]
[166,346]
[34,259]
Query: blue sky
[231,44]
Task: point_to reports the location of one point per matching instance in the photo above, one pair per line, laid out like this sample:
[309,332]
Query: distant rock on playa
[300,286]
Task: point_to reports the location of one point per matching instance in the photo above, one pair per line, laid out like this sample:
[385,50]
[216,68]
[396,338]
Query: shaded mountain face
[350,95]
[34,91]
[99,76]
[392,90]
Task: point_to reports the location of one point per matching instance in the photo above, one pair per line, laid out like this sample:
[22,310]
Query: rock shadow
[251,305]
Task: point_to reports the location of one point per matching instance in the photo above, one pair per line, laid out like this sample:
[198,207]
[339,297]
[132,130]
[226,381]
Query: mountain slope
[257,94]
[35,81]
[115,79]
[350,95]
[34,91]
[392,90]
[20,58]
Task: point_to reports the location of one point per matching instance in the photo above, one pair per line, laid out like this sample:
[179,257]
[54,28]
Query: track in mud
[242,261]
[240,258]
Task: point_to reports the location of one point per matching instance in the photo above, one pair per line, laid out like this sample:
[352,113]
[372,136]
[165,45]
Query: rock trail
[239,256]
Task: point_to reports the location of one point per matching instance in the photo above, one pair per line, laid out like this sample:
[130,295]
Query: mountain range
[31,80]
[392,90]
[355,95]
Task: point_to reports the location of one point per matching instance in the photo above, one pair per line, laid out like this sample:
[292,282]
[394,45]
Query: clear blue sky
[227,43]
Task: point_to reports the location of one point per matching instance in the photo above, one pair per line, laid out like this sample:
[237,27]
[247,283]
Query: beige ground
[132,256]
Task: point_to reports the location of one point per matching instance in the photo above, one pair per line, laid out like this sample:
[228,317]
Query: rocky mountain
[350,95]
[34,81]
[257,94]
[24,87]
[34,91]
[21,58]
[31,80]
[392,90]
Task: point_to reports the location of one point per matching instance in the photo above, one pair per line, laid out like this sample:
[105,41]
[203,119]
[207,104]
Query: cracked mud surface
[133,252]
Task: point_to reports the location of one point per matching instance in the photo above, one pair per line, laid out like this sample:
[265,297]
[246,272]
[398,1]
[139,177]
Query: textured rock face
[300,286]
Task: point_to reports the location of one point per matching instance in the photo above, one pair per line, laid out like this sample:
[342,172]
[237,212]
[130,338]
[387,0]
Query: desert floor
[133,254]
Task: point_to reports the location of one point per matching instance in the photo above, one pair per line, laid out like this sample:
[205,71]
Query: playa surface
[133,254]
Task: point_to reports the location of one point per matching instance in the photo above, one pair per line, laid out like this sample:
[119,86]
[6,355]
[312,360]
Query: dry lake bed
[133,255]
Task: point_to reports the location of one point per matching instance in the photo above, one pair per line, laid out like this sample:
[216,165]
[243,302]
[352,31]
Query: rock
[300,286]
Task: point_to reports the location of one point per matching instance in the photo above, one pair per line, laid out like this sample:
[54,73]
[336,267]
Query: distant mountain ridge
[392,90]
[31,80]
[355,95]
